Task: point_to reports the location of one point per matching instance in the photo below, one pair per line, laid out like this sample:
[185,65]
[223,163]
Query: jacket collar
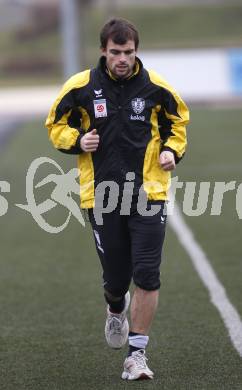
[103,68]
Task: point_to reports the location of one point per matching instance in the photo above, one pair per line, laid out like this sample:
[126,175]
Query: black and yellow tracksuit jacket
[135,118]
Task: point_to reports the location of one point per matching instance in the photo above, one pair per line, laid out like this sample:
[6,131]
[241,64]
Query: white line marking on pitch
[209,278]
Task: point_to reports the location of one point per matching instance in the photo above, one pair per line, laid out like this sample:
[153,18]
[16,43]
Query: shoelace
[115,325]
[140,359]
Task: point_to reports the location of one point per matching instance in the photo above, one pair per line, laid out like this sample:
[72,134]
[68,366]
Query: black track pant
[130,247]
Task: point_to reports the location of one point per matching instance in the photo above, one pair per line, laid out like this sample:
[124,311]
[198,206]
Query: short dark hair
[120,31]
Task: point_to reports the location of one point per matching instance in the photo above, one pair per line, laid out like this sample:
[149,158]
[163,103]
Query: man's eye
[117,52]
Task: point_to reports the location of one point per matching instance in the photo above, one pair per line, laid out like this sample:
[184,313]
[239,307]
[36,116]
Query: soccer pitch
[52,309]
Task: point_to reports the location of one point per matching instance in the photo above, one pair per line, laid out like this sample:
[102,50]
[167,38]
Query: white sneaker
[135,367]
[117,326]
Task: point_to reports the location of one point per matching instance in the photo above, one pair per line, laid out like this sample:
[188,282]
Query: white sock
[138,341]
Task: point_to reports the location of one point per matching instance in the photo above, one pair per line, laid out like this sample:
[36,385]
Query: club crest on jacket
[138,105]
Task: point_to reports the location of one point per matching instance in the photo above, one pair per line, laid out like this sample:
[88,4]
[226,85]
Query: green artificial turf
[52,310]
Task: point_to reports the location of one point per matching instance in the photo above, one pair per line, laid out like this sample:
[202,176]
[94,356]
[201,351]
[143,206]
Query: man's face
[120,59]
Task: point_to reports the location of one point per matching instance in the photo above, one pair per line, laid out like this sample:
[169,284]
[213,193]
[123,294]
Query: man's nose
[122,57]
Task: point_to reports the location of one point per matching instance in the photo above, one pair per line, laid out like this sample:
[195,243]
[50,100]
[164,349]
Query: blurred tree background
[31,39]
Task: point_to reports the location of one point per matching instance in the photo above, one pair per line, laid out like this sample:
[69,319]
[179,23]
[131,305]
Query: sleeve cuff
[75,149]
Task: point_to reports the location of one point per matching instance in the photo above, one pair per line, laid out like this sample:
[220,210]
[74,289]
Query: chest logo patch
[98,92]
[138,105]
[100,108]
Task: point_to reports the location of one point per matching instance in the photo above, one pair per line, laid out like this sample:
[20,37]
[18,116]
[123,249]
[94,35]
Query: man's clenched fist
[167,160]
[89,142]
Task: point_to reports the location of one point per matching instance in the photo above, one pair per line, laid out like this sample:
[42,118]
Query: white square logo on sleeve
[100,108]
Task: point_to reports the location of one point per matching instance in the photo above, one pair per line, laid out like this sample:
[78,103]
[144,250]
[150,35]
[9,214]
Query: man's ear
[103,51]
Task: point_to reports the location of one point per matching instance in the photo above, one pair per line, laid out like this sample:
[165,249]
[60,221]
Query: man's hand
[89,142]
[167,160]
